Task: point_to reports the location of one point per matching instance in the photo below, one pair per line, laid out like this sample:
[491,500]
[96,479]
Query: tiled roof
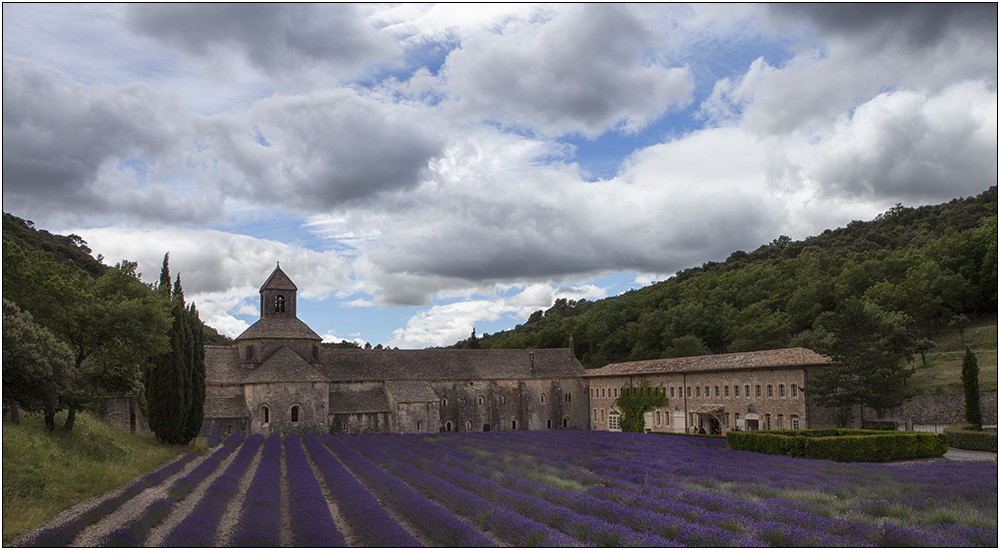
[222,365]
[278,281]
[449,364]
[284,366]
[358,401]
[225,407]
[279,327]
[791,357]
[411,391]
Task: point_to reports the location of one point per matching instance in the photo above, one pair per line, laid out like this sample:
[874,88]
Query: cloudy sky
[420,170]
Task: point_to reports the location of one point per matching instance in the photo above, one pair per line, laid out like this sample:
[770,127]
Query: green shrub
[841,445]
[966,437]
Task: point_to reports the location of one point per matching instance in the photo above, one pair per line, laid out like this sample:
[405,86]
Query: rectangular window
[602,415]
[736,418]
[727,391]
[781,422]
[736,391]
[671,391]
[697,391]
[795,421]
[613,422]
[795,390]
[717,391]
[758,390]
[727,418]
[569,397]
[747,392]
[692,419]
[707,392]
[689,391]
[767,421]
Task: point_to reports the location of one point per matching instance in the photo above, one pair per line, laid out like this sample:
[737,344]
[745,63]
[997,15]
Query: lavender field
[554,488]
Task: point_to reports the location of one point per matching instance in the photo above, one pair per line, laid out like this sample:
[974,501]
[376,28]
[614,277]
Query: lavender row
[199,527]
[454,484]
[465,495]
[260,517]
[312,524]
[733,514]
[135,532]
[665,524]
[433,521]
[370,523]
[63,535]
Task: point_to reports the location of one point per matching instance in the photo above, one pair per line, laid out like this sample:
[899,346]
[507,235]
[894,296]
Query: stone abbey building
[277,378]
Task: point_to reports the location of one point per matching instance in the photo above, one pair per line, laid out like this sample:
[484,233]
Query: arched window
[726,391]
[747,388]
[295,413]
[781,390]
[781,422]
[468,426]
[265,415]
[565,422]
[229,429]
[419,425]
[595,415]
[444,403]
[502,399]
[279,303]
[795,390]
[659,418]
[513,424]
[795,421]
[671,391]
[447,426]
[486,427]
[770,390]
[736,391]
[543,398]
[602,415]
[250,351]
[717,391]
[343,426]
[697,391]
[481,400]
[548,424]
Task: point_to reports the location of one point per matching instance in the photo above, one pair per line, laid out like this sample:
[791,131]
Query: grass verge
[45,473]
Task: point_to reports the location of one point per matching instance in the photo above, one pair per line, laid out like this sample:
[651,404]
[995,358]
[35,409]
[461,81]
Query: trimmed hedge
[841,445]
[966,437]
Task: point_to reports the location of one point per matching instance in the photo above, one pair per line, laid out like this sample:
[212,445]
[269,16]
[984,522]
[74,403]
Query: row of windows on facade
[679,391]
[614,420]
[501,400]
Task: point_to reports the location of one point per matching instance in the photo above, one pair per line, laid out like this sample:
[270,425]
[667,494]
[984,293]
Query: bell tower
[277,296]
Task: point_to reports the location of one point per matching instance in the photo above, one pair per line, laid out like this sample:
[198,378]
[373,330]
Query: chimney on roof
[571,344]
[531,358]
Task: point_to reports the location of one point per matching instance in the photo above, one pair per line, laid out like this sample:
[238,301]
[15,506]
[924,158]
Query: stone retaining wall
[938,410]
[122,413]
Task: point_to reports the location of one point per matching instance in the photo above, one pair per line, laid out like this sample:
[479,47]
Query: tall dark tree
[873,349]
[970,383]
[175,382]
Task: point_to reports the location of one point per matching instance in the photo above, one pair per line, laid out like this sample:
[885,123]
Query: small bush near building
[967,437]
[841,445]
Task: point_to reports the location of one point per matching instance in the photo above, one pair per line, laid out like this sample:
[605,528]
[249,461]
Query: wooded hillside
[935,265]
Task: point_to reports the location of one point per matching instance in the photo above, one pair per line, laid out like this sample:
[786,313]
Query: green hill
[932,263]
[46,472]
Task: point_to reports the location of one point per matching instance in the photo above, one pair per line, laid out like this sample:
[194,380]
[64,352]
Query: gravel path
[229,519]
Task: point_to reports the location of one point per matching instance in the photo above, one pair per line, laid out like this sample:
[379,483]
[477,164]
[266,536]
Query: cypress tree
[175,384]
[970,383]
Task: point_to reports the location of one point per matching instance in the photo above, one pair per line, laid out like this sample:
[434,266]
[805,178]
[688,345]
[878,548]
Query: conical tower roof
[278,281]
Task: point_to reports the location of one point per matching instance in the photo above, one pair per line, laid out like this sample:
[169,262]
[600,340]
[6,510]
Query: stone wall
[122,413]
[938,410]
